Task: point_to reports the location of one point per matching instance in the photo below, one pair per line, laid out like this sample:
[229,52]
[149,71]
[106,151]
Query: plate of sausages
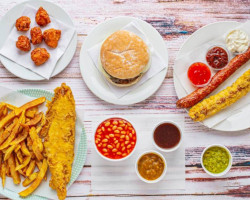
[216,91]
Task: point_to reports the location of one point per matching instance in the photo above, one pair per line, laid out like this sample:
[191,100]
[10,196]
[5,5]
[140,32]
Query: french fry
[9,152]
[17,164]
[37,153]
[11,107]
[37,181]
[39,164]
[7,169]
[30,179]
[19,110]
[24,149]
[14,174]
[3,173]
[35,120]
[11,136]
[2,110]
[31,168]
[38,129]
[26,161]
[18,147]
[36,140]
[29,143]
[19,156]
[31,112]
[6,133]
[1,157]
[21,136]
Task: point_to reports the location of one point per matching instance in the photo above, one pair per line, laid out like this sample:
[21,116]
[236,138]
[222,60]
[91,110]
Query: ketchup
[199,74]
[217,57]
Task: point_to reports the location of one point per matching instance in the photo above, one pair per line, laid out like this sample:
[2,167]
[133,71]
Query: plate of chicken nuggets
[30,44]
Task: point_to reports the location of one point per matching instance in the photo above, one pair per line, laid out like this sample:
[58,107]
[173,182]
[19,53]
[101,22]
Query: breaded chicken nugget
[23,43]
[42,17]
[23,23]
[36,35]
[51,37]
[39,56]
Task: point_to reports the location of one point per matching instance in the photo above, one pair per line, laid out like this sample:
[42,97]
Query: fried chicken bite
[51,37]
[23,23]
[36,35]
[42,17]
[39,56]
[23,43]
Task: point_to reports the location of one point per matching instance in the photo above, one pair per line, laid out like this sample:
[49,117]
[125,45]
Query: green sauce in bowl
[216,159]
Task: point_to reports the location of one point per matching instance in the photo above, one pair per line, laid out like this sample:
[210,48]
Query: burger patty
[123,81]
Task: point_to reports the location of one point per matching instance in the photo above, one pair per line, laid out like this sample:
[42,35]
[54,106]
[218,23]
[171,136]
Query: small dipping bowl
[229,162]
[166,132]
[237,31]
[164,170]
[111,130]
[227,52]
[197,69]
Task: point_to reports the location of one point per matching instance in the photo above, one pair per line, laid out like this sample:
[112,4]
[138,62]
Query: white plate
[95,81]
[199,37]
[8,21]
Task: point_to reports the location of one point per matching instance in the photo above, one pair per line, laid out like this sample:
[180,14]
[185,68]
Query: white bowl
[110,159]
[163,173]
[228,56]
[229,164]
[168,149]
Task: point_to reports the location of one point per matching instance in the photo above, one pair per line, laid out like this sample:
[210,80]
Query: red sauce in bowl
[199,74]
[217,57]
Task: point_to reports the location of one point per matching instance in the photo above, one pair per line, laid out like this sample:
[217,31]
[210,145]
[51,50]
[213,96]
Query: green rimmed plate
[80,156]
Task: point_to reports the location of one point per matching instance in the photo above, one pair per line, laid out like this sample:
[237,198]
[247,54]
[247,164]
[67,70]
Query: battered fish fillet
[60,138]
[223,99]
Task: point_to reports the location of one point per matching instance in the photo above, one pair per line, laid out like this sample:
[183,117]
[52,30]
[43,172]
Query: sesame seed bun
[124,58]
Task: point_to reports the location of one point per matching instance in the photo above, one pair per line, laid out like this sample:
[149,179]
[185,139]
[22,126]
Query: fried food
[30,179]
[18,111]
[23,23]
[37,145]
[42,17]
[37,181]
[60,139]
[36,35]
[23,43]
[39,56]
[3,173]
[16,132]
[222,100]
[14,174]
[51,37]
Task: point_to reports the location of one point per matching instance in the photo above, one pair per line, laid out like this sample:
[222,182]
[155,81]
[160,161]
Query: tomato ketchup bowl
[115,139]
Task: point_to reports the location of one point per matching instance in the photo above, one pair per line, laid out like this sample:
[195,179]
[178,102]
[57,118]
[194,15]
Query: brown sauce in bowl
[167,135]
[151,166]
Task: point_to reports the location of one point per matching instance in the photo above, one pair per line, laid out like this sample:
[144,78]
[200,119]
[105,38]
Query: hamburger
[124,58]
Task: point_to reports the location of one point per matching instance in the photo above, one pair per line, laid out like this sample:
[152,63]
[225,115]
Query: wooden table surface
[175,20]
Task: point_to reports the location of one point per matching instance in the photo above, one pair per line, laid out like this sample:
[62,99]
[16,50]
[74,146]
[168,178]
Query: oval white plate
[202,35]
[6,24]
[95,80]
